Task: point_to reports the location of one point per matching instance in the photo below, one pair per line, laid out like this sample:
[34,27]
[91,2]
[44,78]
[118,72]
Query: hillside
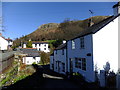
[54,31]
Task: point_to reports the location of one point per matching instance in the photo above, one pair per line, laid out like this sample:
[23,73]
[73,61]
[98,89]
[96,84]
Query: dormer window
[73,44]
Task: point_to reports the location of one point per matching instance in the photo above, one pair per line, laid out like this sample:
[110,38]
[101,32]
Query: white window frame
[73,44]
[80,63]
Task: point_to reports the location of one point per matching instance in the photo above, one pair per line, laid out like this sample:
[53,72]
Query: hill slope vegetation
[63,31]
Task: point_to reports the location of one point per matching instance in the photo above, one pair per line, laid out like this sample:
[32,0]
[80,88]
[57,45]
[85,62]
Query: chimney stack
[116,9]
[90,22]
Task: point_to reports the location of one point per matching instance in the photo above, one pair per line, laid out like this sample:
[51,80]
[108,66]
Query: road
[43,78]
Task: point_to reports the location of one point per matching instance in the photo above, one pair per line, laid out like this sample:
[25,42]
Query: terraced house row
[94,49]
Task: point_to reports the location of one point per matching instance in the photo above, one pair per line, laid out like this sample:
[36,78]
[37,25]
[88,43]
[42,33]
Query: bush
[77,76]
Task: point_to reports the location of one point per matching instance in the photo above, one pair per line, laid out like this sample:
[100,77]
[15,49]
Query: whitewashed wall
[31,60]
[105,46]
[51,62]
[61,58]
[82,53]
[10,43]
[24,45]
[3,44]
[40,47]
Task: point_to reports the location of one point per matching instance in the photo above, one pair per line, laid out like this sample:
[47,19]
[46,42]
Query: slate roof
[9,39]
[30,52]
[96,27]
[91,30]
[62,46]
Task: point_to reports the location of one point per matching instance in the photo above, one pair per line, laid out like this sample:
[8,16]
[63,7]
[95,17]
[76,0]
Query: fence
[118,81]
[109,80]
[6,60]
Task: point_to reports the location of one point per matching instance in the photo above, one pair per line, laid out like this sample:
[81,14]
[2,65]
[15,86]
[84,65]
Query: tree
[29,44]
[44,58]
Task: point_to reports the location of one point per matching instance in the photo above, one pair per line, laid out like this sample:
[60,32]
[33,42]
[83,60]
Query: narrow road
[55,80]
[43,78]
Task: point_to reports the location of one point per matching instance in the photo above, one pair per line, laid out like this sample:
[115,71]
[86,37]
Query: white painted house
[3,43]
[32,56]
[40,45]
[10,43]
[93,47]
[58,59]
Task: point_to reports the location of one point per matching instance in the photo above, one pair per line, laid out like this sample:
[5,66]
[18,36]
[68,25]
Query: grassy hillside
[54,31]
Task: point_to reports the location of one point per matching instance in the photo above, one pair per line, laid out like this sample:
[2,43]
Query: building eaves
[62,46]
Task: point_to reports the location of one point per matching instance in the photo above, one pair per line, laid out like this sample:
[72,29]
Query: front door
[71,65]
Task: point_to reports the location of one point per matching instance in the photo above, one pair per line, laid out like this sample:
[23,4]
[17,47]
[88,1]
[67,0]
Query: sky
[22,18]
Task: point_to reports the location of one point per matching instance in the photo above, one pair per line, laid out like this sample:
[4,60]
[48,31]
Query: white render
[31,60]
[58,59]
[3,44]
[10,43]
[82,53]
[105,46]
[99,48]
[40,47]
[24,45]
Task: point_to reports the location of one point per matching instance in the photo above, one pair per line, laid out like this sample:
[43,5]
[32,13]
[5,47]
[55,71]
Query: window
[44,48]
[73,44]
[35,45]
[83,64]
[80,63]
[33,57]
[62,51]
[63,67]
[45,45]
[76,63]
[56,64]
[39,49]
[27,61]
[52,66]
[82,43]
[56,51]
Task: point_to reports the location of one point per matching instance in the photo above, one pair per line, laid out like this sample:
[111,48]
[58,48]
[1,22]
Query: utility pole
[1,18]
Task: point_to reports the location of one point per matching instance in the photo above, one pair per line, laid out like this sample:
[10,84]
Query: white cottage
[40,45]
[10,43]
[3,43]
[31,56]
[58,59]
[92,48]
